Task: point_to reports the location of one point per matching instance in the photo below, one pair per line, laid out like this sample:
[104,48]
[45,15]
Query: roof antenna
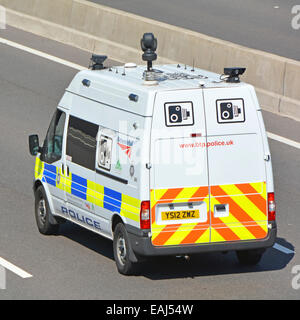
[193,69]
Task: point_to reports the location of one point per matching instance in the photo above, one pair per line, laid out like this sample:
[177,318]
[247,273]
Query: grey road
[78,264]
[258,24]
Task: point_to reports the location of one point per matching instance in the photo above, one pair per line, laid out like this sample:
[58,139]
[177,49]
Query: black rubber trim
[111,176]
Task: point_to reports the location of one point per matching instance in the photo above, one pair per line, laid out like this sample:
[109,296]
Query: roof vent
[130,65]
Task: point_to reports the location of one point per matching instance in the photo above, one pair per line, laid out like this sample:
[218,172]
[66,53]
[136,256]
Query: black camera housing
[234,74]
[149,46]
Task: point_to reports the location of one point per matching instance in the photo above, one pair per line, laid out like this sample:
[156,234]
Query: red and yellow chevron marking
[185,233]
[247,217]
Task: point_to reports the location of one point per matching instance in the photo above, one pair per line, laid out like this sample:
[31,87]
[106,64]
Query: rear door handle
[221,210]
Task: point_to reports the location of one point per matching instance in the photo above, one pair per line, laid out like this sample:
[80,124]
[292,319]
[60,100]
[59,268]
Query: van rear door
[179,175]
[236,166]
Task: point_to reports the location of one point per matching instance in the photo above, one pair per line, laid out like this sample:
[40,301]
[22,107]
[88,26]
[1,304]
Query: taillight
[271,207]
[145,215]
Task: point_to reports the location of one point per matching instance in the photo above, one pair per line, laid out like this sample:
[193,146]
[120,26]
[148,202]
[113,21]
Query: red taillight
[145,215]
[271,207]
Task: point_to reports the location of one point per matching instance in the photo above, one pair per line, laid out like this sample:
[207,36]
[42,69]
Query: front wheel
[121,250]
[42,213]
[249,257]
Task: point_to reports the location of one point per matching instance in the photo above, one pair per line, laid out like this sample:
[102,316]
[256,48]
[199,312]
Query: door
[80,168]
[179,174]
[236,166]
[54,159]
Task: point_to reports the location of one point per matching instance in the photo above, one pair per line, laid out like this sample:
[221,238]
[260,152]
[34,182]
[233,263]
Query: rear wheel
[249,257]
[42,213]
[121,247]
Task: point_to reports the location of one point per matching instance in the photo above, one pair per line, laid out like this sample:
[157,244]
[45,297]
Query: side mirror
[34,145]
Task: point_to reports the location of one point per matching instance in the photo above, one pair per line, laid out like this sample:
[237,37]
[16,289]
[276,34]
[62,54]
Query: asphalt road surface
[259,24]
[78,264]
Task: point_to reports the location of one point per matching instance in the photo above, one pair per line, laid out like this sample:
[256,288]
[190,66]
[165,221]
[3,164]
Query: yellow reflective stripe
[180,234]
[233,224]
[186,194]
[215,236]
[132,203]
[156,230]
[68,183]
[38,168]
[205,237]
[259,187]
[248,206]
[90,192]
[129,215]
[157,194]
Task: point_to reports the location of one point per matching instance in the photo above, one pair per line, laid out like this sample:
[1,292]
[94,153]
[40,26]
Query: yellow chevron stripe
[247,205]
[186,194]
[215,236]
[205,237]
[258,186]
[156,230]
[178,235]
[156,195]
[233,224]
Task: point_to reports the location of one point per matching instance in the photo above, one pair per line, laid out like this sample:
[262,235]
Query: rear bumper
[141,244]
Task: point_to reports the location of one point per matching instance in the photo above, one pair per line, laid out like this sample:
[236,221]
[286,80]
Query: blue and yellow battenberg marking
[89,191]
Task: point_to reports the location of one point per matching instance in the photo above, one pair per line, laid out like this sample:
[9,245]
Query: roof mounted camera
[233,74]
[97,62]
[149,46]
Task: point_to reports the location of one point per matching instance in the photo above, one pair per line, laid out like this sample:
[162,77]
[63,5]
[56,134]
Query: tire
[42,213]
[121,247]
[249,257]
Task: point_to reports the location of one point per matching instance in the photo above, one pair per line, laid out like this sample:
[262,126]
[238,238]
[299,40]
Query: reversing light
[145,215]
[271,207]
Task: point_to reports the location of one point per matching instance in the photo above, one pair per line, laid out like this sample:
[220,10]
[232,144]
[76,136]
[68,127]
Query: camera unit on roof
[233,74]
[149,46]
[97,62]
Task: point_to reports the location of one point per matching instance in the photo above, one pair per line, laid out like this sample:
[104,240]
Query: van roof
[114,85]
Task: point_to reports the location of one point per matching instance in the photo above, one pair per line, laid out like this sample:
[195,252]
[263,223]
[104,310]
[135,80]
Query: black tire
[42,213]
[249,257]
[121,247]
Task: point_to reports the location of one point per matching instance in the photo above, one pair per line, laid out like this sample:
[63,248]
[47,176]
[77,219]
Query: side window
[81,142]
[52,149]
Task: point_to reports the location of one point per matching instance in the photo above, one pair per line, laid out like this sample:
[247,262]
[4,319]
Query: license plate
[179,215]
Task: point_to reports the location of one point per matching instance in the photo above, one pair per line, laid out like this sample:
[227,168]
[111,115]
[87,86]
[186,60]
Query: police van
[164,160]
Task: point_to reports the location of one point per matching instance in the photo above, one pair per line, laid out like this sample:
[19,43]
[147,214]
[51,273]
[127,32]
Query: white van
[171,160]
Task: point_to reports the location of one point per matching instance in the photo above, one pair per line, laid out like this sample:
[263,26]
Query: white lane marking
[289,142]
[282,249]
[18,271]
[42,54]
[79,67]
